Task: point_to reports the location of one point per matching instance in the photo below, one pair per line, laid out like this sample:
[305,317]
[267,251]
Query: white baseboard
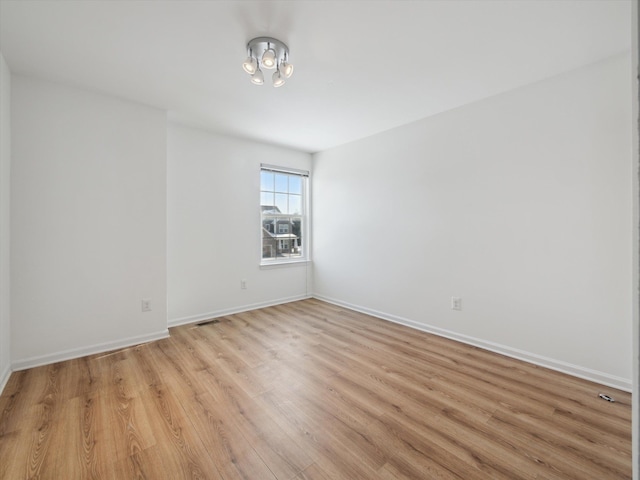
[4,378]
[230,311]
[84,351]
[560,366]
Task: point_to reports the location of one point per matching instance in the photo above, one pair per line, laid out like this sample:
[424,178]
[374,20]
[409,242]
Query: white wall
[88,222]
[5,176]
[519,204]
[213,218]
[635,76]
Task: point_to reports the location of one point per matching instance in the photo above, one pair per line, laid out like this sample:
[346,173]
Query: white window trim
[306,227]
[285,264]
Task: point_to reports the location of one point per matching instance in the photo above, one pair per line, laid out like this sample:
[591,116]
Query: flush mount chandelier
[268,53]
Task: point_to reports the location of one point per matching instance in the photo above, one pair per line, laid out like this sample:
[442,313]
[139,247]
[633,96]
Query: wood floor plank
[122,427]
[325,446]
[308,391]
[312,472]
[233,456]
[278,450]
[45,412]
[595,456]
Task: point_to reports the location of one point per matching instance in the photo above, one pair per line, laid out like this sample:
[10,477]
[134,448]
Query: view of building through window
[282,203]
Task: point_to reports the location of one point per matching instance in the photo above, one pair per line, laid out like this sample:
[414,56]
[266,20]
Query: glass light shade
[278,79]
[286,69]
[269,58]
[250,65]
[257,78]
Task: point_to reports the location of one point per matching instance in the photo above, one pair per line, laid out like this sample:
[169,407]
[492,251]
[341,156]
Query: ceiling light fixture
[278,78]
[250,65]
[267,52]
[257,78]
[269,58]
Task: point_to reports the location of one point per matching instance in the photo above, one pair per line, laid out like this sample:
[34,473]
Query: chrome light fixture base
[268,53]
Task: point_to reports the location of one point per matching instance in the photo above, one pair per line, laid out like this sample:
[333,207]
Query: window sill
[288,263]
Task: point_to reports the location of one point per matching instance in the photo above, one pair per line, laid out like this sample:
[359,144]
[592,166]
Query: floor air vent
[207,322]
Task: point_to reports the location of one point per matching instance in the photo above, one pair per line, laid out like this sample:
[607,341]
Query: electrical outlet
[456,303]
[146,305]
[243,284]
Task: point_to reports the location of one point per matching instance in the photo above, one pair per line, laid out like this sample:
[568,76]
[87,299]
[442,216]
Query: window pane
[266,199]
[266,180]
[295,204]
[283,226]
[281,202]
[269,223]
[296,229]
[269,242]
[295,184]
[282,182]
[282,216]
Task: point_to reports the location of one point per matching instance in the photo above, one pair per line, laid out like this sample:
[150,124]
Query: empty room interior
[319,239]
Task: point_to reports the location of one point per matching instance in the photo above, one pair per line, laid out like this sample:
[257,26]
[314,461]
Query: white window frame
[304,216]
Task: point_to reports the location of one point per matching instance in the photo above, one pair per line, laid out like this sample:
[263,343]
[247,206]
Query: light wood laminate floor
[308,390]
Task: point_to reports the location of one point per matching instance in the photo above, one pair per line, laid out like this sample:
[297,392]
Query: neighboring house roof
[267,233]
[278,221]
[270,209]
[278,236]
[281,236]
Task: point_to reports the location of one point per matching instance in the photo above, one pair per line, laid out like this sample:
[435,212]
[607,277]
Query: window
[283,220]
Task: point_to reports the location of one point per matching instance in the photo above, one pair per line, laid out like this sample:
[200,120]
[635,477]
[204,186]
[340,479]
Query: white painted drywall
[519,204]
[88,222]
[213,218]
[635,222]
[5,219]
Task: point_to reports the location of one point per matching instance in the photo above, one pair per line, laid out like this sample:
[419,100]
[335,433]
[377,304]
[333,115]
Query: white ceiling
[361,67]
